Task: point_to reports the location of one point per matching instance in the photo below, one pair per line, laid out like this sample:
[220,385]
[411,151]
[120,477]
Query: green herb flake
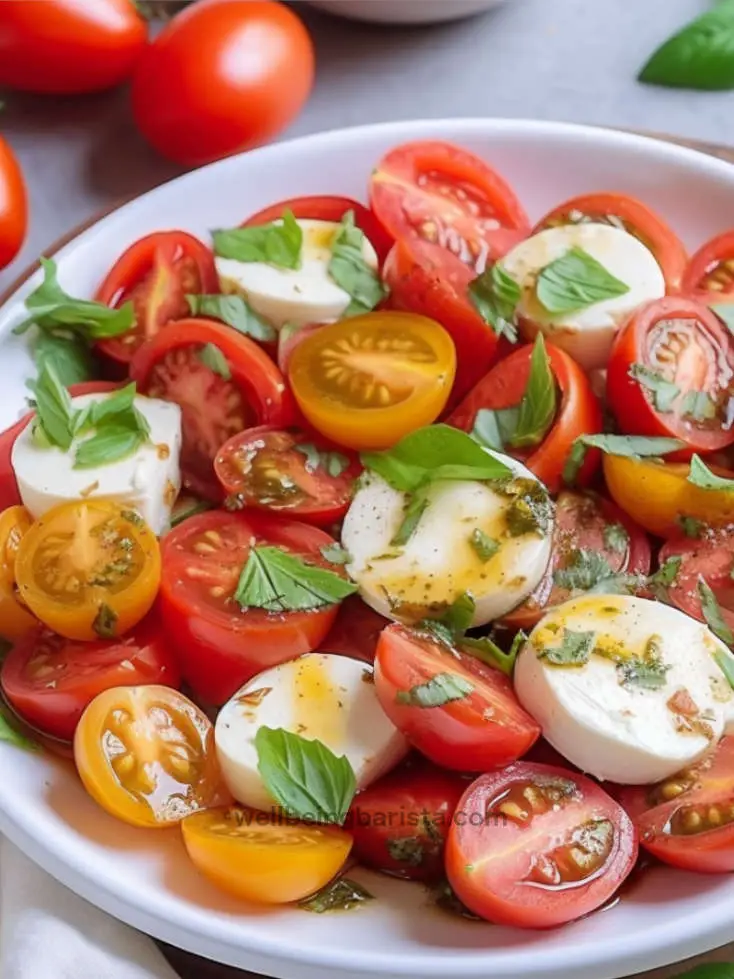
[663,392]
[441,689]
[583,570]
[712,613]
[530,510]
[105,622]
[648,673]
[698,405]
[334,463]
[575,281]
[335,554]
[487,650]
[341,894]
[212,357]
[277,581]
[235,312]
[496,295]
[700,475]
[278,243]
[616,538]
[409,850]
[350,271]
[484,546]
[691,526]
[575,649]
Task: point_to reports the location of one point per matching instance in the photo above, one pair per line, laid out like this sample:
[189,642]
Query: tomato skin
[13,203]
[15,619]
[703,263]
[710,558]
[578,413]
[191,98]
[73,48]
[356,630]
[490,858]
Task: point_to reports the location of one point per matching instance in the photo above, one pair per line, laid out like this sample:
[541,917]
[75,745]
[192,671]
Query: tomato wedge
[15,619]
[482,728]
[623,211]
[709,276]
[710,558]
[671,372]
[537,846]
[223,382]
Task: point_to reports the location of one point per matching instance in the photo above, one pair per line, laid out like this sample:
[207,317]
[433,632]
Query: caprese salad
[401,533]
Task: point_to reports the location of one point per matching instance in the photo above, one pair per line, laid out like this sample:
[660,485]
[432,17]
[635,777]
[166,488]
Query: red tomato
[579,411]
[13,202]
[286,471]
[220,646]
[439,193]
[536,846]
[400,823]
[156,273]
[216,404]
[50,680]
[710,558]
[709,276]
[356,630]
[686,821]
[289,337]
[329,209]
[682,342]
[222,77]
[586,523]
[622,211]
[482,729]
[72,48]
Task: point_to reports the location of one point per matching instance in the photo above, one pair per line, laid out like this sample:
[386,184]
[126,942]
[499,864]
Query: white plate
[143,877]
[405,11]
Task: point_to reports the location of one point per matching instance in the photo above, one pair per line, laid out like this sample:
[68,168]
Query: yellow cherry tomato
[257,856]
[15,620]
[146,754]
[657,495]
[89,569]
[367,381]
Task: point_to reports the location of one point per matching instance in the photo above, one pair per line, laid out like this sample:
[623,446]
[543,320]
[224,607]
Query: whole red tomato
[66,47]
[224,76]
[13,204]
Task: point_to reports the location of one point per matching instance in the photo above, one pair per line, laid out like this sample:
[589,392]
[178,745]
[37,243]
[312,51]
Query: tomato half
[585,523]
[13,203]
[247,390]
[485,728]
[709,276]
[155,274]
[444,195]
[15,619]
[536,846]
[257,856]
[220,646]
[578,413]
[631,215]
[146,754]
[686,347]
[88,569]
[712,558]
[285,471]
[688,820]
[356,630]
[367,381]
[50,680]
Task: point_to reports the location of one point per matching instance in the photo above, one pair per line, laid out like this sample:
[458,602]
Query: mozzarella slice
[439,562]
[147,481]
[600,716]
[294,296]
[586,334]
[320,696]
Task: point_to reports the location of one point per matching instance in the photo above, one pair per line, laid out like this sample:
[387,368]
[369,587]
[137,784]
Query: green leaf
[277,581]
[113,407]
[416,507]
[616,538]
[575,281]
[54,411]
[485,547]
[630,446]
[441,689]
[714,970]
[539,402]
[10,732]
[494,428]
[698,405]
[725,312]
[119,429]
[575,649]
[700,475]
[341,894]
[489,652]
[530,510]
[663,392]
[335,554]
[188,506]
[712,613]
[495,295]
[691,526]
[334,463]
[105,622]
[459,615]
[700,56]
[109,444]
[212,357]
[582,571]
[647,673]
[278,244]
[725,662]
[665,576]
[70,357]
[235,312]
[305,777]
[350,271]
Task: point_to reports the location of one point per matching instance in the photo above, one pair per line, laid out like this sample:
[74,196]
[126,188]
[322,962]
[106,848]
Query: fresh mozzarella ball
[147,481]
[320,696]
[606,718]
[586,334]
[295,296]
[439,561]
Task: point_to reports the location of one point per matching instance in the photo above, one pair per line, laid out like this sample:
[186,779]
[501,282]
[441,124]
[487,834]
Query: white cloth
[47,932]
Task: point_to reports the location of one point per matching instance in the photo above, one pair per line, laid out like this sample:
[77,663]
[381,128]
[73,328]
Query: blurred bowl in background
[405,11]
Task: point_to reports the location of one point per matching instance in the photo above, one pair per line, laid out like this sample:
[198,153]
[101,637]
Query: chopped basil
[691,526]
[70,356]
[700,56]
[409,850]
[485,547]
[235,312]
[700,475]
[441,689]
[495,427]
[698,405]
[188,506]
[335,554]
[109,444]
[416,507]
[277,581]
[530,509]
[55,415]
[616,537]
[712,613]
[630,446]
[648,673]
[487,650]
[574,281]
[664,577]
[333,462]
[583,570]
[350,271]
[105,622]
[664,392]
[119,429]
[212,357]
[495,295]
[341,894]
[278,243]
[575,649]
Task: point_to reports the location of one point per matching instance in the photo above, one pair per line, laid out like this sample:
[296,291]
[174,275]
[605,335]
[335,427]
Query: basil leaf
[582,571]
[70,356]
[663,392]
[616,537]
[575,281]
[303,776]
[648,672]
[700,56]
[278,244]
[698,405]
[714,970]
[725,662]
[630,446]
[350,271]
[459,615]
[335,554]
[277,581]
[120,429]
[725,312]
[109,444]
[55,414]
[11,733]
[484,546]
[489,652]
[530,509]
[212,357]
[691,526]
[495,295]
[494,428]
[105,622]
[411,518]
[341,894]
[335,463]
[235,312]
[575,649]
[441,689]
[667,572]
[188,506]
[120,403]
[539,402]
[711,611]
[700,475]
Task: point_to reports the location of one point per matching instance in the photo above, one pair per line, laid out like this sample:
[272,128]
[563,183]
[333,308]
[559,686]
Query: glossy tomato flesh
[709,276]
[710,558]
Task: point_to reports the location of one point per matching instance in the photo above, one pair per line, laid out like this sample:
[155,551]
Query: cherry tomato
[246,389]
[285,471]
[257,856]
[710,557]
[50,680]
[221,77]
[367,381]
[146,754]
[686,821]
[585,523]
[631,215]
[15,619]
[684,346]
[289,337]
[220,646]
[88,569]
[155,273]
[439,193]
[578,413]
[356,630]
[13,200]
[709,276]
[536,846]
[484,728]
[73,48]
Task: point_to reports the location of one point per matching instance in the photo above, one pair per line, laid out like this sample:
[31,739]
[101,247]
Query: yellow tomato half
[367,381]
[89,569]
[15,620]
[258,857]
[657,495]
